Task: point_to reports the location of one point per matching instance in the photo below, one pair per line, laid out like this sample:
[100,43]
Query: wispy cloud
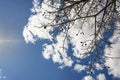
[2,76]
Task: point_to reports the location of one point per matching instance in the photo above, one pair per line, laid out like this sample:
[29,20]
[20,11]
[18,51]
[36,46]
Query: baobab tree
[84,26]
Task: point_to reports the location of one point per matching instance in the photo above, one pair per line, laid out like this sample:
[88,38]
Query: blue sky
[18,60]
[21,61]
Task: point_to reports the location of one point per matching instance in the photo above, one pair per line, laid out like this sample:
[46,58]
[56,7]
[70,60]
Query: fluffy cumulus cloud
[88,78]
[36,29]
[98,66]
[79,67]
[98,77]
[101,77]
[113,54]
[80,39]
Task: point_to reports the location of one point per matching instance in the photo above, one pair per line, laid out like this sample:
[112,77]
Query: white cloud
[48,51]
[88,78]
[36,7]
[101,77]
[98,66]
[79,67]
[51,51]
[35,30]
[28,36]
[78,41]
[113,63]
[113,54]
